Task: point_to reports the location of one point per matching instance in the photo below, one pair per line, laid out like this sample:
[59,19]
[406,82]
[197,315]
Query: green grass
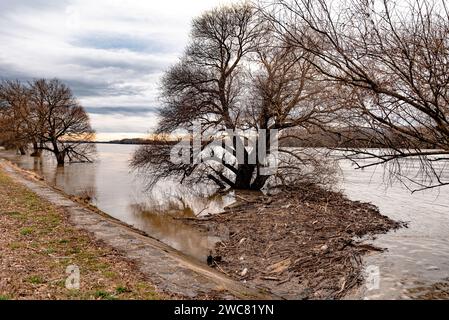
[121,289]
[26,231]
[15,245]
[35,280]
[13,213]
[16,215]
[50,250]
[75,250]
[110,274]
[104,295]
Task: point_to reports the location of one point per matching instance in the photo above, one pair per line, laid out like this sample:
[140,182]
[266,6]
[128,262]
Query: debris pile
[300,244]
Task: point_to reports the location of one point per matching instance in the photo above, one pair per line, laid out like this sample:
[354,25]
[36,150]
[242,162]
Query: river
[417,256]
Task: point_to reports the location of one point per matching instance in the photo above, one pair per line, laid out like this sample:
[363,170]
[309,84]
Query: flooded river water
[417,256]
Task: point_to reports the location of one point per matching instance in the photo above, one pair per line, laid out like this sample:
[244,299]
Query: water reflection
[171,231]
[76,179]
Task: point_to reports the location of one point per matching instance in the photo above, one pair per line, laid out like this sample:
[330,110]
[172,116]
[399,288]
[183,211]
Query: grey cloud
[19,5]
[127,111]
[112,59]
[86,88]
[81,88]
[138,67]
[122,41]
[8,72]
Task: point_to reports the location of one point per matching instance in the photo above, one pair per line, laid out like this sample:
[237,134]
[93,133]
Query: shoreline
[255,213]
[173,274]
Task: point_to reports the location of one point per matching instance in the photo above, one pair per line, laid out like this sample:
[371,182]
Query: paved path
[168,269]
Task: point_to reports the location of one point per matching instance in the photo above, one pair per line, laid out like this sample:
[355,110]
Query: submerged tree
[239,84]
[14,112]
[392,64]
[46,115]
[61,125]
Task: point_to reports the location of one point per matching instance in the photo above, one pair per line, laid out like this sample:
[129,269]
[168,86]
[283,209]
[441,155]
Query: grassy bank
[38,243]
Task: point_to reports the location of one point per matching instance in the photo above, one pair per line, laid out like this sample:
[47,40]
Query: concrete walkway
[168,269]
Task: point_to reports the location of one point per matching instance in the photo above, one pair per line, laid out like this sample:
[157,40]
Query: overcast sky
[111,52]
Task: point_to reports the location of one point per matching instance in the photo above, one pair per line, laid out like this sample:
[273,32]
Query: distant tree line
[44,115]
[141,141]
[347,138]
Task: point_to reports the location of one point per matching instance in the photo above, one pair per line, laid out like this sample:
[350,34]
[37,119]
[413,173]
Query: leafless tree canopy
[14,109]
[391,60]
[45,114]
[238,74]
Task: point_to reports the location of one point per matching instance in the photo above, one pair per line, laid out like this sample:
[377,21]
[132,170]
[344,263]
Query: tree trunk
[245,172]
[60,157]
[36,150]
[259,182]
[244,176]
[22,150]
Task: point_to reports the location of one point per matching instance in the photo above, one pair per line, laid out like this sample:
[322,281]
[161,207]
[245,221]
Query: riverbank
[301,244]
[38,244]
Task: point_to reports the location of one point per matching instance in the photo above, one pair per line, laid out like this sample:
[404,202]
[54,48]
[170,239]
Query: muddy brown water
[417,257]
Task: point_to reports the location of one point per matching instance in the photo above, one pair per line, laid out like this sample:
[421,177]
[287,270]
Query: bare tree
[14,111]
[61,125]
[391,61]
[235,75]
[37,121]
